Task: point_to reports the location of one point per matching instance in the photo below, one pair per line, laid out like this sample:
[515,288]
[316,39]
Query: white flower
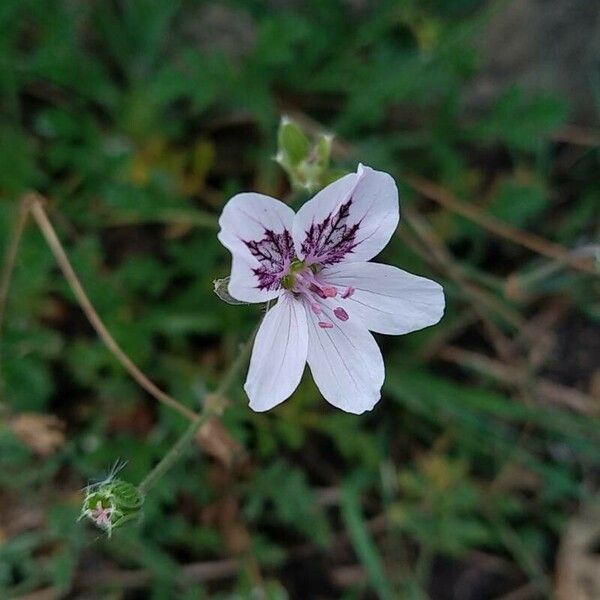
[329,297]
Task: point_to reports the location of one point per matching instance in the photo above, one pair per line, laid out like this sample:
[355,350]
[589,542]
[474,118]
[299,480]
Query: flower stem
[214,406]
[36,208]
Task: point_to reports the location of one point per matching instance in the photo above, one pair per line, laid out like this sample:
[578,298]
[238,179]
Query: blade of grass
[363,544]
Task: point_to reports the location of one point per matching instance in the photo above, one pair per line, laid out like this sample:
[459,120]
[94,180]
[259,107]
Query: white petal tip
[254,403]
[359,409]
[257,409]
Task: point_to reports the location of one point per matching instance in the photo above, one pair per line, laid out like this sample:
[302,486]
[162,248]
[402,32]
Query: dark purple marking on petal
[327,243]
[275,252]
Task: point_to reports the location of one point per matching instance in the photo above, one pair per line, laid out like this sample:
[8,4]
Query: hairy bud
[111,503]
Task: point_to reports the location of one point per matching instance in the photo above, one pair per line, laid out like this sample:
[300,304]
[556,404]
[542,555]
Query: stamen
[348,292]
[315,308]
[317,290]
[325,325]
[330,291]
[341,314]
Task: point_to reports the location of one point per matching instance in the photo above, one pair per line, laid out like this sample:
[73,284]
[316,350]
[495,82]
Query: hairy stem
[213,406]
[36,207]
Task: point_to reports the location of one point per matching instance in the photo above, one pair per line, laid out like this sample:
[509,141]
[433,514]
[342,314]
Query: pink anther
[341,314]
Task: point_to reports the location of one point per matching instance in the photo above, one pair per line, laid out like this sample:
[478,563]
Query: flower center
[306,281]
[296,267]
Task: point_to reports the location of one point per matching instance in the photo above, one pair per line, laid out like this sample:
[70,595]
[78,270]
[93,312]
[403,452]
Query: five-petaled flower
[329,297]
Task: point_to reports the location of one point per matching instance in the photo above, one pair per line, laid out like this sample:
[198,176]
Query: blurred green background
[476,476]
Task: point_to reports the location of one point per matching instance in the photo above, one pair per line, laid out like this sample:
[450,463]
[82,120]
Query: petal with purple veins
[256,230]
[351,220]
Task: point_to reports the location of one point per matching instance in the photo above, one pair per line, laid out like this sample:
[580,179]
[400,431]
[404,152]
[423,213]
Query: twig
[49,593]
[192,573]
[481,300]
[36,208]
[443,257]
[577,136]
[470,211]
[517,285]
[11,257]
[444,334]
[554,393]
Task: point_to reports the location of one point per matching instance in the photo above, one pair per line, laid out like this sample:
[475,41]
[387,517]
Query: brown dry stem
[35,204]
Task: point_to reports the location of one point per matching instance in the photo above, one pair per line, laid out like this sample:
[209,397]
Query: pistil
[306,282]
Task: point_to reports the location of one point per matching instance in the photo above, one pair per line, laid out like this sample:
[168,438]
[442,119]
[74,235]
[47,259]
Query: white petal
[279,355]
[345,362]
[254,218]
[387,299]
[351,220]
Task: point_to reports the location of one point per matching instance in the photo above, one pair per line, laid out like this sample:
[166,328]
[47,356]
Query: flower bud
[292,142]
[111,503]
[306,163]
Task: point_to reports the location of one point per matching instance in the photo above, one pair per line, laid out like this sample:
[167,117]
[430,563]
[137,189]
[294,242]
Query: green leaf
[518,204]
[362,542]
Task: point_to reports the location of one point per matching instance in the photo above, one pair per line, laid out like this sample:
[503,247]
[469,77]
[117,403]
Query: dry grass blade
[192,573]
[545,390]
[577,136]
[578,564]
[518,236]
[217,442]
[483,303]
[43,434]
[35,203]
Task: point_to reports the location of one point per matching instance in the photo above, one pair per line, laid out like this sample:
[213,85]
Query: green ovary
[290,279]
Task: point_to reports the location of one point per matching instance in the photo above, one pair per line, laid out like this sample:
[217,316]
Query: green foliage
[439,505]
[362,542]
[283,492]
[521,121]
